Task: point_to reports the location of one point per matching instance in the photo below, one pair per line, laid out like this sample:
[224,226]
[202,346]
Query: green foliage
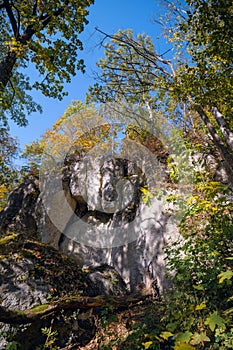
[208,27]
[135,328]
[194,88]
[8,173]
[132,71]
[46,37]
[13,346]
[214,321]
[51,337]
[146,195]
[200,305]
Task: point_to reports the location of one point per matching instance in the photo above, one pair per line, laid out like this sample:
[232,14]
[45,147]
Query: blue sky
[109,16]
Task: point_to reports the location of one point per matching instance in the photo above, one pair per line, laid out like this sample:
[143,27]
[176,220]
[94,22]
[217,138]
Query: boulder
[33,274]
[105,280]
[19,214]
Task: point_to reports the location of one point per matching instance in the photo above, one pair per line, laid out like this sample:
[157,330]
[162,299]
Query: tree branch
[142,51]
[45,20]
[18,19]
[68,303]
[13,89]
[11,18]
[34,8]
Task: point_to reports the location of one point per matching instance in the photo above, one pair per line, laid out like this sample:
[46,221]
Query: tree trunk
[8,62]
[224,127]
[223,148]
[6,68]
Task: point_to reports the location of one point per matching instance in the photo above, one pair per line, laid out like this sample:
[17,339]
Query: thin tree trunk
[224,149]
[227,133]
[6,68]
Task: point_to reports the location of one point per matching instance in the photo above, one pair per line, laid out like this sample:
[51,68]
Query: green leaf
[199,287]
[215,320]
[183,346]
[184,337]
[146,196]
[228,311]
[225,275]
[12,346]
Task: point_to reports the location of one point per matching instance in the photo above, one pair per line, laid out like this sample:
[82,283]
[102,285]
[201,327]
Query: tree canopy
[42,34]
[78,130]
[194,88]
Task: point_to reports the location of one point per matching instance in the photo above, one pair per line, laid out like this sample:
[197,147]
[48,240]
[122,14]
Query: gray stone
[140,257]
[104,280]
[19,214]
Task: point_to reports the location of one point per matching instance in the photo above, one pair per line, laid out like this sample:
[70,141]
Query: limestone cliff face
[109,223]
[93,210]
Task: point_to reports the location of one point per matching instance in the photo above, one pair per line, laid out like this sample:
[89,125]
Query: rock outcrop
[20,212]
[33,274]
[93,211]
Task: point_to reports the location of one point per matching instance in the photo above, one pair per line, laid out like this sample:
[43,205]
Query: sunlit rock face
[111,224]
[93,210]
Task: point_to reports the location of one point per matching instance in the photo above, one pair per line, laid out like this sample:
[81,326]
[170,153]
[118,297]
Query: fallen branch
[68,303]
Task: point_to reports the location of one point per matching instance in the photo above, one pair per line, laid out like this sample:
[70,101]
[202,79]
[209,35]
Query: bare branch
[13,91]
[175,9]
[141,51]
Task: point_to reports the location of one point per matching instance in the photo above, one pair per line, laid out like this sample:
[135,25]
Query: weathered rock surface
[32,273]
[112,202]
[104,280]
[19,215]
[93,211]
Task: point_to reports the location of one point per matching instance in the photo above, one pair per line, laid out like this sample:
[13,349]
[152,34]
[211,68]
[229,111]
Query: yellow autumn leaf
[193,199]
[214,208]
[3,191]
[147,344]
[166,335]
[200,306]
[225,275]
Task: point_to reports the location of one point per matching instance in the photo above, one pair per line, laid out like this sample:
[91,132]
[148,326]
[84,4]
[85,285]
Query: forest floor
[135,328]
